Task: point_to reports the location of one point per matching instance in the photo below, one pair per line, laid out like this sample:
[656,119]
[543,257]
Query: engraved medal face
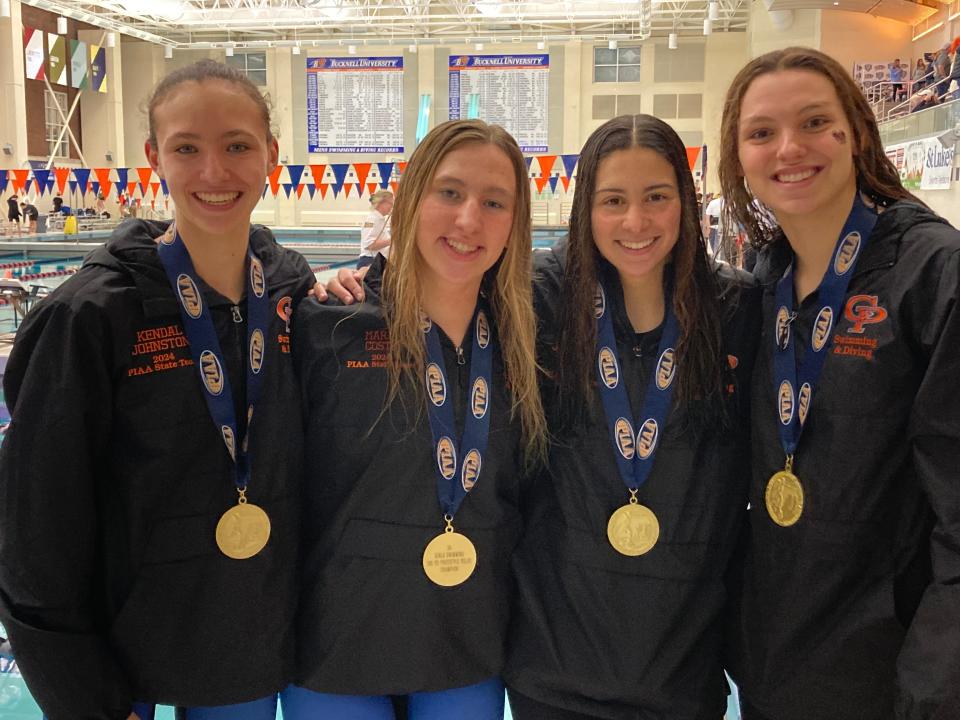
[450,559]
[633,529]
[243,531]
[784,498]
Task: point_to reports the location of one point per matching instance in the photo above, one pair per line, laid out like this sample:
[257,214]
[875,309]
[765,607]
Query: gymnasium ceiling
[198,23]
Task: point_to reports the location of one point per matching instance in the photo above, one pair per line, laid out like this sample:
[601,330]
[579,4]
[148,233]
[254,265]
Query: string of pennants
[546,171]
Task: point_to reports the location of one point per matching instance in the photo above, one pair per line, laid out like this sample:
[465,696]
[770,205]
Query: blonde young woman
[375,233]
[428,392]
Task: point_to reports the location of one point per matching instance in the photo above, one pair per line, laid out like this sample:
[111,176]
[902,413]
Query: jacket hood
[884,245]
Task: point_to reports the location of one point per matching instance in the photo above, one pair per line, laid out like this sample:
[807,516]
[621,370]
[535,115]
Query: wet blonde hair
[507,285]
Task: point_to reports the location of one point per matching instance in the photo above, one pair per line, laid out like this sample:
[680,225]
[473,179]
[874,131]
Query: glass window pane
[603,56]
[236,61]
[259,77]
[602,73]
[628,73]
[256,61]
[630,56]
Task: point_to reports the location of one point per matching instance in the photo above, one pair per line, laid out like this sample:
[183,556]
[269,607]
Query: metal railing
[924,123]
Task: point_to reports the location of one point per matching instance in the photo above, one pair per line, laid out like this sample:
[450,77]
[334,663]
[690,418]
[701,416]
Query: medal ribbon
[458,470]
[795,378]
[205,346]
[635,450]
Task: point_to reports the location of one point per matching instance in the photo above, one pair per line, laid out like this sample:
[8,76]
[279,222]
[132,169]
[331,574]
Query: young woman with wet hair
[647,347]
[148,540]
[429,391]
[850,594]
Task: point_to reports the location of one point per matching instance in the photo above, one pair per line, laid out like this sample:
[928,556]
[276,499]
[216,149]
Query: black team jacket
[631,638]
[113,478]
[853,613]
[370,621]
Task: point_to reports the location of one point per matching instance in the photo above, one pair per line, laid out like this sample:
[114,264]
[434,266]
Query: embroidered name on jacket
[158,350]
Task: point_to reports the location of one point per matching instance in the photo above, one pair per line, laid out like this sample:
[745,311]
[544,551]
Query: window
[252,64]
[620,65]
[55,124]
[606,107]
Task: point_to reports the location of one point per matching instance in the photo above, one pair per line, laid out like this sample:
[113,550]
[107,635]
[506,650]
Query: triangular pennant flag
[40,189]
[317,171]
[553,183]
[264,193]
[528,160]
[339,175]
[296,172]
[3,180]
[569,163]
[122,175]
[19,179]
[144,174]
[131,188]
[164,188]
[274,178]
[121,188]
[96,188]
[62,174]
[323,191]
[541,183]
[393,186]
[359,188]
[566,183]
[401,167]
[312,189]
[693,153]
[154,187]
[362,170]
[73,186]
[50,184]
[83,178]
[41,176]
[371,188]
[546,164]
[103,175]
[299,191]
[287,187]
[385,170]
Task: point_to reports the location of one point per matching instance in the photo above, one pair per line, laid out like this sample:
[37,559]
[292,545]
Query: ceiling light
[478,47]
[61,25]
[541,45]
[111,39]
[714,10]
[4,8]
[352,49]
[167,52]
[412,49]
[672,41]
[295,49]
[612,44]
[229,50]
[707,26]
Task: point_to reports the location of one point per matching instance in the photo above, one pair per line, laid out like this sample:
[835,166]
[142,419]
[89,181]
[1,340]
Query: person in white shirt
[375,233]
[714,211]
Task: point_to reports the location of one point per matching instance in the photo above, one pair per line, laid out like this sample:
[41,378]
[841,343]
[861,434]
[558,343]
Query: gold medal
[633,529]
[784,496]
[450,558]
[243,530]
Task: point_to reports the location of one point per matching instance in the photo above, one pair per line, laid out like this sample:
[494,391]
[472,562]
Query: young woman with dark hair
[850,596]
[151,472]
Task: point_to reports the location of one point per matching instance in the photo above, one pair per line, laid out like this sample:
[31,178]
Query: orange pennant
[103,177]
[144,174]
[299,191]
[274,178]
[362,170]
[401,166]
[566,183]
[19,179]
[371,188]
[154,187]
[393,185]
[131,186]
[317,171]
[546,164]
[692,154]
[323,191]
[541,183]
[62,175]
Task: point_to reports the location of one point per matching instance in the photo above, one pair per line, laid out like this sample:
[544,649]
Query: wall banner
[98,68]
[505,90]
[355,105]
[78,64]
[923,164]
[57,50]
[33,53]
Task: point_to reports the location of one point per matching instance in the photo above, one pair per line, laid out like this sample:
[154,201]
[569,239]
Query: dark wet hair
[877,177]
[695,298]
[198,72]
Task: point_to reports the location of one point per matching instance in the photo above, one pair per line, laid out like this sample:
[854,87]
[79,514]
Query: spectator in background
[926,99]
[919,72]
[31,215]
[955,68]
[13,210]
[713,212]
[59,207]
[941,69]
[375,233]
[897,75]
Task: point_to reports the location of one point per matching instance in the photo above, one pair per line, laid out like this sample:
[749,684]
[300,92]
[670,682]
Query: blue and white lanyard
[458,464]
[205,346]
[634,450]
[796,377]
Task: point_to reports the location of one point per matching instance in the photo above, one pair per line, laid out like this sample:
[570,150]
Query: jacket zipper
[460,359]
